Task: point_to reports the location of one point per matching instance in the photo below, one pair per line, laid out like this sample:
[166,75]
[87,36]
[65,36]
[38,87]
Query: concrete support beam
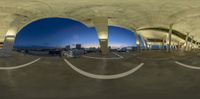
[178,45]
[9,40]
[144,43]
[101,26]
[170,37]
[8,44]
[196,44]
[199,45]
[186,41]
[191,43]
[11,34]
[163,43]
[137,41]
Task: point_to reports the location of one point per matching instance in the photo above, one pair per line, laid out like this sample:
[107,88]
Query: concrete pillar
[144,43]
[196,44]
[170,37]
[186,41]
[137,41]
[11,34]
[101,26]
[163,43]
[191,43]
[199,45]
[8,44]
[9,40]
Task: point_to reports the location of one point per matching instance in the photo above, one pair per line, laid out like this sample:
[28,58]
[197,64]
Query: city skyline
[60,32]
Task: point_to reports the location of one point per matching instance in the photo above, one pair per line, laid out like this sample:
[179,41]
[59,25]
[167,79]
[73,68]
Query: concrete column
[196,44]
[191,43]
[144,43]
[163,43]
[137,41]
[186,41]
[170,37]
[11,34]
[9,40]
[199,45]
[101,26]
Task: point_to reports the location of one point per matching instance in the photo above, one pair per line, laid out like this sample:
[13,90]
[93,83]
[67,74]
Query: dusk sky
[59,32]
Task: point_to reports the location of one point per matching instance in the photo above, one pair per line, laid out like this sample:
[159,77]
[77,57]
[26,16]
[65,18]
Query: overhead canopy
[131,14]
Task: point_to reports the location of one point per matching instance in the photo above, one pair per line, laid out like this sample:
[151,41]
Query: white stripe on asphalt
[187,66]
[158,59]
[20,66]
[96,76]
[119,57]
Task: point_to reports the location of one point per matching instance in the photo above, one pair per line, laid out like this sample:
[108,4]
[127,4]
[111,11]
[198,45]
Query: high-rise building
[67,47]
[78,46]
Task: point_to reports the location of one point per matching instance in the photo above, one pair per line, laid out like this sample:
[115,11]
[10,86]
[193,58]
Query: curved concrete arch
[19,66]
[18,24]
[46,17]
[95,76]
[166,30]
[187,66]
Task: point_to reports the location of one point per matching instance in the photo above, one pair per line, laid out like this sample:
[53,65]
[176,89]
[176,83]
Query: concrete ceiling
[130,14]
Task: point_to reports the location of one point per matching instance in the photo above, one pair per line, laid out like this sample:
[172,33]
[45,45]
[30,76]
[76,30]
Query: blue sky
[59,32]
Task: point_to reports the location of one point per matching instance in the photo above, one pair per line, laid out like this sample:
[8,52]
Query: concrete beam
[163,43]
[137,41]
[11,34]
[186,41]
[191,43]
[101,26]
[170,37]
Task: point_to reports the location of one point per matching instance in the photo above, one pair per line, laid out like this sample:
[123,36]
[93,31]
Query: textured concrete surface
[130,14]
[52,78]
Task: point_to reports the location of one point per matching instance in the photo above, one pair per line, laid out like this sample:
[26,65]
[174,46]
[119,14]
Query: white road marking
[187,66]
[96,76]
[20,66]
[153,58]
[134,54]
[119,57]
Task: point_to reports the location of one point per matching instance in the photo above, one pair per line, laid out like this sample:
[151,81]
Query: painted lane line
[187,66]
[96,76]
[119,57]
[99,57]
[158,59]
[20,66]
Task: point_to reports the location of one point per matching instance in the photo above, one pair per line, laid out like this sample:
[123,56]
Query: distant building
[78,46]
[67,47]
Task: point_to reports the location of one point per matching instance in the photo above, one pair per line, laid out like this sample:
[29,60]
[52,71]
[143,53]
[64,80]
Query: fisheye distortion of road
[99,49]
